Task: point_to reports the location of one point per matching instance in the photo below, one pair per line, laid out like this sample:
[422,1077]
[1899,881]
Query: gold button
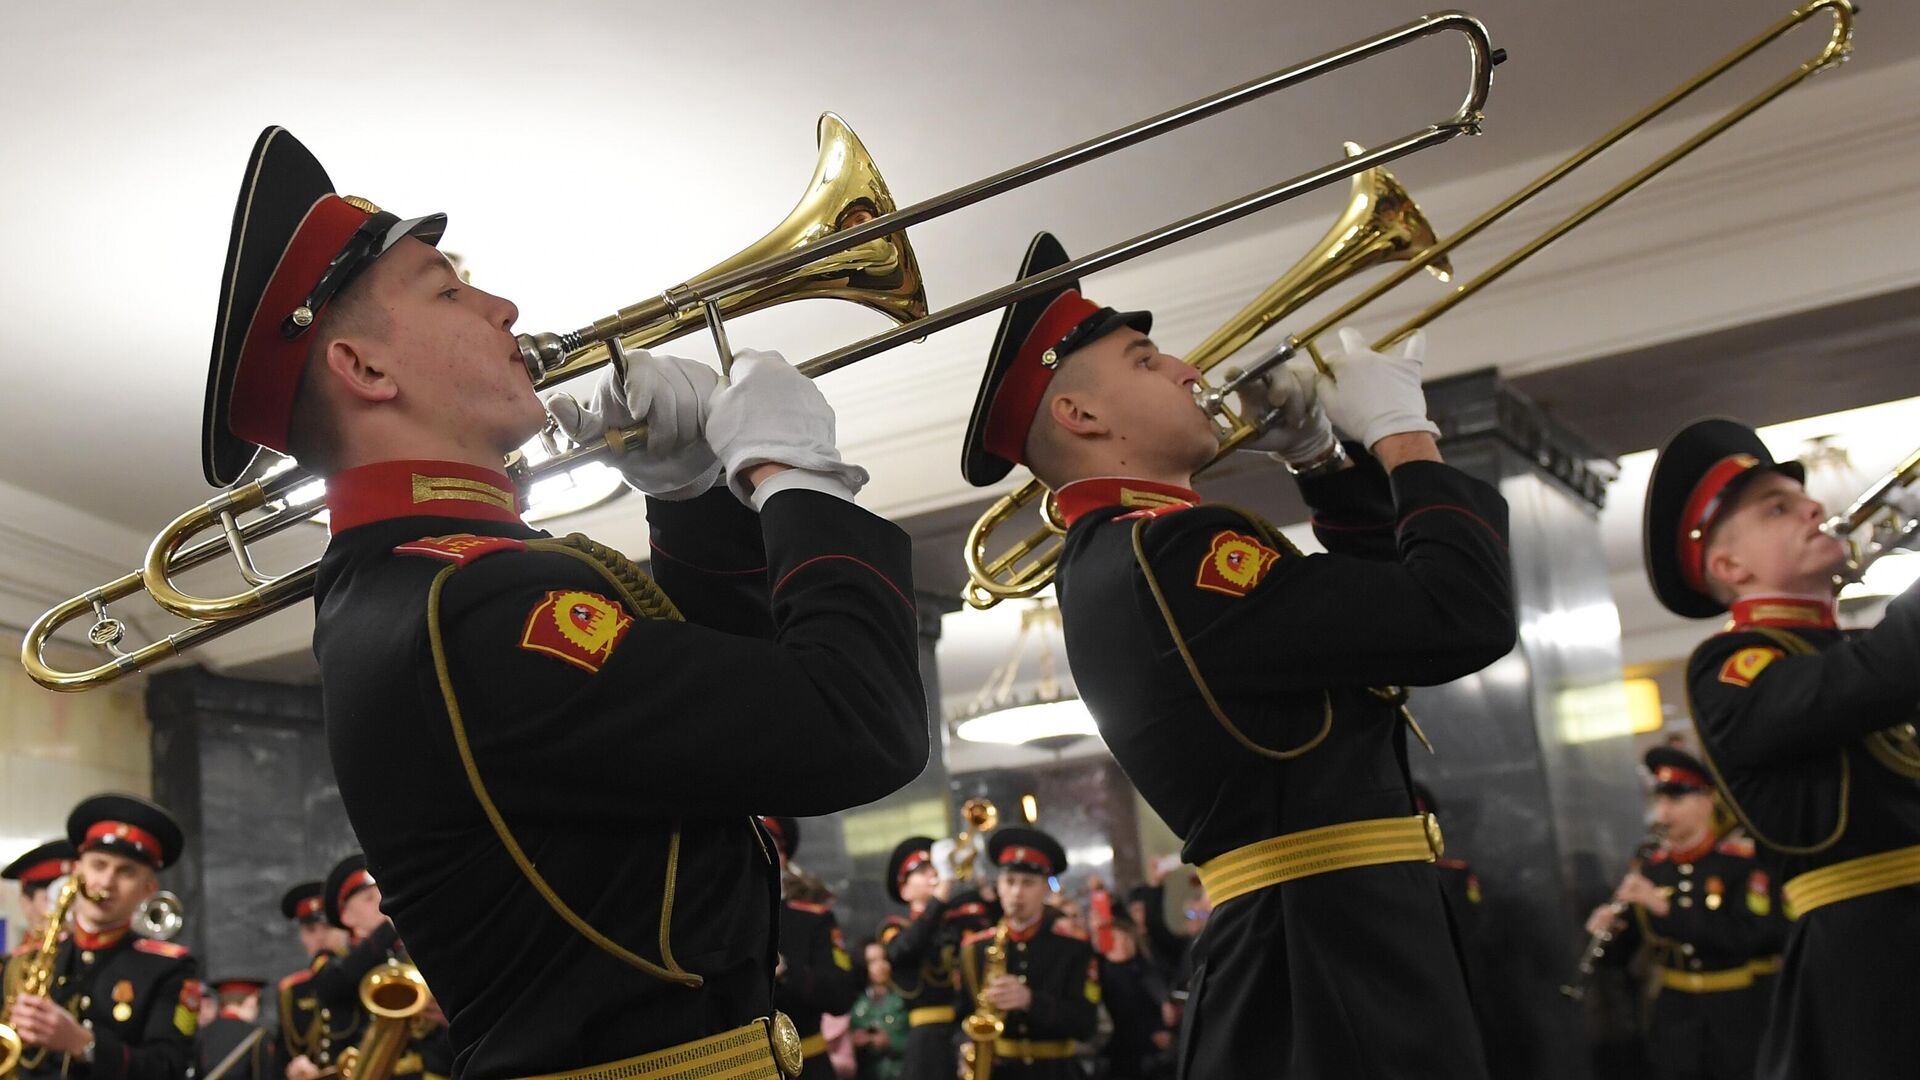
[86,956]
[1686,901]
[86,1002]
[1686,886]
[1686,868]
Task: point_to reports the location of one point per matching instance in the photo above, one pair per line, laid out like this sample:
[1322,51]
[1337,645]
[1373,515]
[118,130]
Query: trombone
[1029,565]
[846,240]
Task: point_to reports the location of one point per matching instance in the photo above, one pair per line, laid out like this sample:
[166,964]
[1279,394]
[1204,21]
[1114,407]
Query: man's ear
[1074,412]
[1726,568]
[353,371]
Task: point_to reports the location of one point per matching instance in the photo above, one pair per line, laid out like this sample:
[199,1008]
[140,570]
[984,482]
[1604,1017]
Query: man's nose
[1184,373]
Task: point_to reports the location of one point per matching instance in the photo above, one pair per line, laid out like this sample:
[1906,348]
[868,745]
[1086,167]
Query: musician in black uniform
[351,901]
[1704,907]
[924,953]
[121,1007]
[1806,730]
[1048,992]
[34,871]
[300,1023]
[1244,687]
[553,763]
[816,974]
[234,1046]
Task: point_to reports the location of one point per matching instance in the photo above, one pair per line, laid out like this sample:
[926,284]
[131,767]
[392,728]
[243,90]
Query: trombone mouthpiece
[541,353]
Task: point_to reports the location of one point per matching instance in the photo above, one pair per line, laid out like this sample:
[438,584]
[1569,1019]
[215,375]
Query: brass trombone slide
[844,241]
[1029,565]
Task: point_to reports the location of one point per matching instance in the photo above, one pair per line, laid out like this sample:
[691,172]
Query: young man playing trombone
[1239,683]
[1807,731]
[553,763]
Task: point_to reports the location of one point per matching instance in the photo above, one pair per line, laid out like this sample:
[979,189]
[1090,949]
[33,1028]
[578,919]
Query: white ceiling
[590,153]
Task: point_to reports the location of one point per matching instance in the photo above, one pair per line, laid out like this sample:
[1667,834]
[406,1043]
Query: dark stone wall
[244,766]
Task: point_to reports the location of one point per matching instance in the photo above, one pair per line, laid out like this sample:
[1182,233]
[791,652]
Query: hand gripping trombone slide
[846,240]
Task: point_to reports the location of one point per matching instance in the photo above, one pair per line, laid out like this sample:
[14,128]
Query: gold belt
[745,1053]
[1320,851]
[932,1014]
[813,1045]
[1711,982]
[1033,1049]
[1855,877]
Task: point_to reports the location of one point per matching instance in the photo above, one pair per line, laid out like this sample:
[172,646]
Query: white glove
[772,413]
[671,395]
[1301,434]
[1373,395]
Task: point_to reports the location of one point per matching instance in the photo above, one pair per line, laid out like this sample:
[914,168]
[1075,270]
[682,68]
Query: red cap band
[1026,856]
[1674,774]
[1703,509]
[308,908]
[1017,398]
[270,363]
[123,835]
[911,863]
[354,883]
[45,871]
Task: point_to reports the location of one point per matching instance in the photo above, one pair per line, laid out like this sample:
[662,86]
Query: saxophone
[985,1023]
[36,976]
[393,995]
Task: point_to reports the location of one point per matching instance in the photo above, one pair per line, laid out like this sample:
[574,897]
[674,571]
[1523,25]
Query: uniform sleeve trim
[788,576]
[654,545]
[1329,526]
[1457,510]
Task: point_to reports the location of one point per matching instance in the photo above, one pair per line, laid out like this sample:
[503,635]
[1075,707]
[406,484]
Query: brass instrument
[36,976]
[981,816]
[393,994]
[1597,942]
[845,241]
[1885,519]
[985,1023]
[160,917]
[996,578]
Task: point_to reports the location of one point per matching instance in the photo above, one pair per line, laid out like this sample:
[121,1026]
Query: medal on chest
[123,1000]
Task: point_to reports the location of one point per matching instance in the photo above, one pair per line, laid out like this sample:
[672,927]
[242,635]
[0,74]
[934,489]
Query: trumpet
[160,917]
[1028,565]
[846,240]
[981,816]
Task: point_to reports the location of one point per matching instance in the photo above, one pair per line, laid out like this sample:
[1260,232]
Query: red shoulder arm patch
[1746,665]
[576,626]
[1736,845]
[168,949]
[461,548]
[296,978]
[1234,564]
[977,935]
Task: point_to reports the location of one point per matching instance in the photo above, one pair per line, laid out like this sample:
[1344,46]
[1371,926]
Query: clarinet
[1598,941]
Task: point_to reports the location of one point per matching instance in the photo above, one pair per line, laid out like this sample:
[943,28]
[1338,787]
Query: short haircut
[313,435]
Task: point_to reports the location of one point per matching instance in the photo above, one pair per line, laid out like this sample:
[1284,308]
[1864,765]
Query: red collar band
[1082,497]
[99,939]
[356,881]
[396,489]
[1017,855]
[120,837]
[1702,513]
[1017,399]
[1693,853]
[1784,611]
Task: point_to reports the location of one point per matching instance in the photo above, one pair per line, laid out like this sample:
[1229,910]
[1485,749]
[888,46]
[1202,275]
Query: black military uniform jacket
[335,988]
[139,997]
[227,1034]
[819,978]
[925,959]
[300,1024]
[1791,735]
[1058,966]
[1713,954]
[622,755]
[1352,973]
